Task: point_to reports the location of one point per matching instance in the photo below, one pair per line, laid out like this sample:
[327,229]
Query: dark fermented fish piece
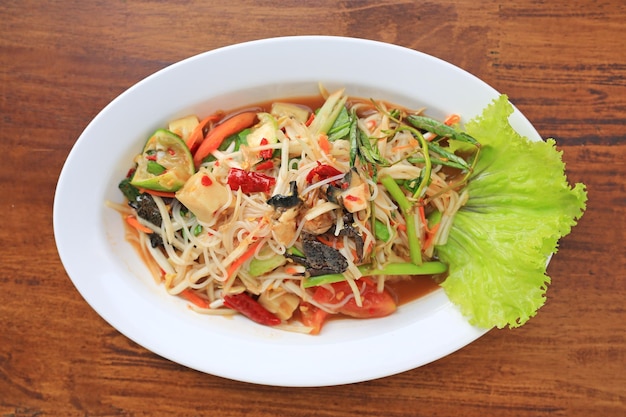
[286,201]
[319,258]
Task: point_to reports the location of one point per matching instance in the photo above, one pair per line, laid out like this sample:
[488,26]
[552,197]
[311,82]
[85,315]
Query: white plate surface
[112,279]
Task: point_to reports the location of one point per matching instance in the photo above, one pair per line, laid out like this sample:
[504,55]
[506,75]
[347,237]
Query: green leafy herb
[520,204]
[130,192]
[341,127]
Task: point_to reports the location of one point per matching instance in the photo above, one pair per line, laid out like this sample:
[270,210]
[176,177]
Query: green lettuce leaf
[520,204]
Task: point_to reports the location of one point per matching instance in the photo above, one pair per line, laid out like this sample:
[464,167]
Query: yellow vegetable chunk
[184,126]
[356,198]
[203,195]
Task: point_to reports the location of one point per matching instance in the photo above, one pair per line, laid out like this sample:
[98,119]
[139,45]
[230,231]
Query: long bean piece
[400,268]
[406,207]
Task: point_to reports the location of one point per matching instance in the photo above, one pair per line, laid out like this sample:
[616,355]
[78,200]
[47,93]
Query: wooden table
[563,63]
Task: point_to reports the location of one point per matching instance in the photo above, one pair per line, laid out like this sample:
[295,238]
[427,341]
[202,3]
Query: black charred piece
[155,240]
[319,258]
[350,231]
[147,209]
[286,201]
[333,193]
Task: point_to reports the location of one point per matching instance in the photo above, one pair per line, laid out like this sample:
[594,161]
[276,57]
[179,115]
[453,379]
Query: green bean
[448,155]
[406,207]
[437,161]
[400,268]
[381,231]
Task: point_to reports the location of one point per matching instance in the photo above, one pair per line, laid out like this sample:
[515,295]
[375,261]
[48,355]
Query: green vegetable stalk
[406,207]
[400,268]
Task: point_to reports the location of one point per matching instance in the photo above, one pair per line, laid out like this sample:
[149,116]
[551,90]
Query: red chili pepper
[266,153]
[249,182]
[310,119]
[206,181]
[152,157]
[321,172]
[250,308]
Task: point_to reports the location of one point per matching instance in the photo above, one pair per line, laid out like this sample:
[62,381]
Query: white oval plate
[110,276]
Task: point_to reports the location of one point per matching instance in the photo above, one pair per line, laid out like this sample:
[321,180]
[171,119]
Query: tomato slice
[165,163]
[374,303]
[312,317]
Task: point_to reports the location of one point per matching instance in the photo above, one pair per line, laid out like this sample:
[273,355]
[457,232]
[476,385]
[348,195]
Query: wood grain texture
[561,62]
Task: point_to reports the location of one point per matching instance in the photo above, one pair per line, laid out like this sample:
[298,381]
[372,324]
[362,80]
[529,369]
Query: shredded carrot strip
[230,271]
[430,237]
[336,243]
[216,136]
[423,217]
[166,194]
[449,121]
[452,119]
[291,270]
[400,148]
[413,143]
[194,298]
[197,135]
[132,220]
[324,144]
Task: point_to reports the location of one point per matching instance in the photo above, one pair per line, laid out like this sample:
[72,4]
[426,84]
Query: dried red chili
[321,172]
[249,182]
[250,308]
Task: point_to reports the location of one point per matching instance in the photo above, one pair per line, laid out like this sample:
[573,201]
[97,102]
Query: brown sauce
[310,103]
[409,289]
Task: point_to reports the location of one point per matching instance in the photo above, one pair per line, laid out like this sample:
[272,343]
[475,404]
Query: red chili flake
[206,181]
[171,151]
[350,197]
[152,157]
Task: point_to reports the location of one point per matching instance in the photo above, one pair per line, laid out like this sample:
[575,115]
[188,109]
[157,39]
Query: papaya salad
[291,215]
